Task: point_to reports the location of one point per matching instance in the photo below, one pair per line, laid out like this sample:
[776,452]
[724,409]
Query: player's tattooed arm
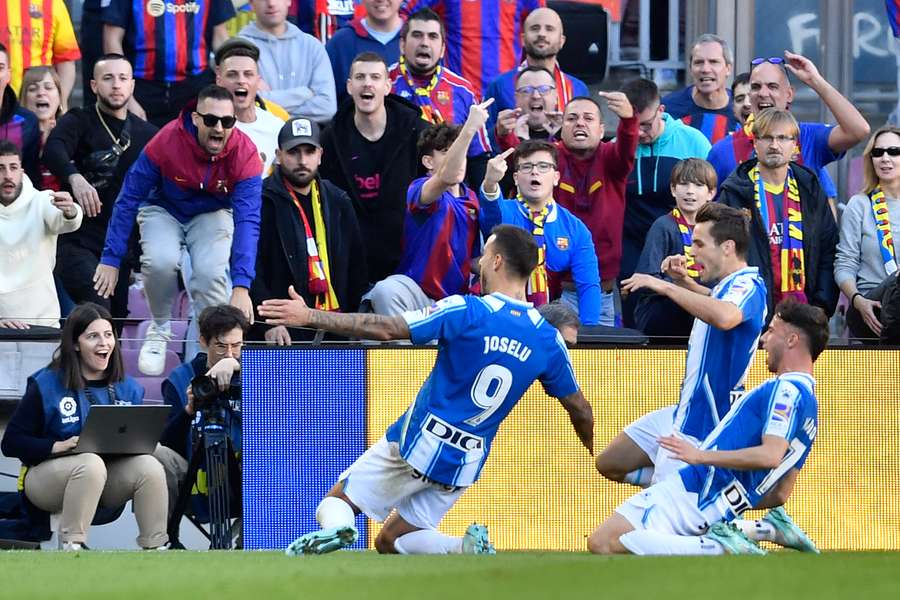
[294,312]
[582,417]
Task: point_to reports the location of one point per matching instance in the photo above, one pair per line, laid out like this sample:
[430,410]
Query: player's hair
[66,358]
[642,93]
[423,14]
[740,79]
[529,147]
[220,319]
[518,249]
[214,92]
[711,38]
[439,137]
[870,179]
[559,314]
[770,118]
[585,99]
[369,57]
[8,148]
[810,320]
[694,170]
[532,69]
[727,224]
[34,75]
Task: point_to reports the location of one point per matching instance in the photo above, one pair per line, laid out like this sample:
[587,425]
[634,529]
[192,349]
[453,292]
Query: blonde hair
[771,118]
[35,75]
[870,179]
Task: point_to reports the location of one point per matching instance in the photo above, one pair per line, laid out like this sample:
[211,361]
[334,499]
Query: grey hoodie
[296,68]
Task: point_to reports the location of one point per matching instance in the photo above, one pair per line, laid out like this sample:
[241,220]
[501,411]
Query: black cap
[230,45]
[298,131]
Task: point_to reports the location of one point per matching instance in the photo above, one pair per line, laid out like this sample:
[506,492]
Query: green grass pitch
[366,575]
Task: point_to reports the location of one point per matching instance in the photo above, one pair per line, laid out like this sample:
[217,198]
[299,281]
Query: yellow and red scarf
[883,230]
[686,231]
[319,283]
[538,291]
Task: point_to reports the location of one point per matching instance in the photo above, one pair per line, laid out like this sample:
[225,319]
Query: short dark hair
[423,14]
[106,57]
[214,92]
[642,93]
[220,319]
[810,320]
[8,148]
[740,79]
[367,57]
[439,137]
[559,314]
[518,249]
[529,147]
[66,358]
[532,69]
[727,224]
[237,46]
[694,170]
[585,99]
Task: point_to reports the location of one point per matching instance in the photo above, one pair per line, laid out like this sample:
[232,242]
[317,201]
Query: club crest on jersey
[34,11]
[443,97]
[562,243]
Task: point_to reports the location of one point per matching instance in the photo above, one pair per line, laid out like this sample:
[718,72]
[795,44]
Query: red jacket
[594,191]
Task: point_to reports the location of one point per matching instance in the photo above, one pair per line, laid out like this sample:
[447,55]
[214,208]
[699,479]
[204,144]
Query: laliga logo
[67,406]
[156,8]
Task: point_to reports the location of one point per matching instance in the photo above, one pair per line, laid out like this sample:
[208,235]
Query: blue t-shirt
[717,360]
[490,351]
[784,406]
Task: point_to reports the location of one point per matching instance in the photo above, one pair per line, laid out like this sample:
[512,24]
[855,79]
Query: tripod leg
[184,496]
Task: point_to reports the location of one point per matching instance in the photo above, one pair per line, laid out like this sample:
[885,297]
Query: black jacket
[281,258]
[820,233]
[381,221]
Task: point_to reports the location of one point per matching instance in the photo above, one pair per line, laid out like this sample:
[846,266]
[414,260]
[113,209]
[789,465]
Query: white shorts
[380,481]
[648,429]
[665,507]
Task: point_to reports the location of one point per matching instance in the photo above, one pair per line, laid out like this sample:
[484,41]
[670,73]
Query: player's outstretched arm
[718,313]
[293,312]
[767,455]
[582,417]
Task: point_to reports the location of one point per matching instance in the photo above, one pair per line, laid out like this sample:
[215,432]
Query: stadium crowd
[365,162]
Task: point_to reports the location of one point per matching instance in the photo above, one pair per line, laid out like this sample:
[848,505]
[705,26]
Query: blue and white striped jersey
[717,360]
[784,406]
[490,351]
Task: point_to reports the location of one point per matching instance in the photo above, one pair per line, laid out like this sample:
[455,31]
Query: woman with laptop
[86,371]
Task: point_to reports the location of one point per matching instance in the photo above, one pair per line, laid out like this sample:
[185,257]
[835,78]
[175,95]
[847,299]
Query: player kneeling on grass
[750,460]
[490,351]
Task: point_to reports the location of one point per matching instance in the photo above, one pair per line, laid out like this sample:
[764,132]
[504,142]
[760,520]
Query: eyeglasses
[771,139]
[891,151]
[540,89]
[211,120]
[647,125]
[541,167]
[772,60]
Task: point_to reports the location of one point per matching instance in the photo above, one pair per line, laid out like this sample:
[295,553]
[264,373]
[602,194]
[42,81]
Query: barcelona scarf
[789,270]
[686,240]
[430,112]
[319,283]
[564,91]
[538,292]
[883,230]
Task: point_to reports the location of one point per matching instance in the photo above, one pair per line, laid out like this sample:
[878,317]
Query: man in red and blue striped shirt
[483,36]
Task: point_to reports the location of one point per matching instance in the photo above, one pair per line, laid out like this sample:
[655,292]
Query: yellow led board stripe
[539,489]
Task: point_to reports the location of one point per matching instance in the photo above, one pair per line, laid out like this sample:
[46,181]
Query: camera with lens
[99,167]
[208,396]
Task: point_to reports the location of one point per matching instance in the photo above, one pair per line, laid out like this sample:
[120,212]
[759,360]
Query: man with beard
[196,185]
[309,236]
[442,95]
[542,39]
[793,233]
[90,150]
[30,221]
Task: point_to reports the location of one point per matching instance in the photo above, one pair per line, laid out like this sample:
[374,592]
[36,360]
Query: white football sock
[648,543]
[760,531]
[428,541]
[333,512]
[640,477]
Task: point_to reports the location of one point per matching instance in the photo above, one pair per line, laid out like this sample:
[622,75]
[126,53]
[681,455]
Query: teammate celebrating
[490,350]
[728,321]
[751,459]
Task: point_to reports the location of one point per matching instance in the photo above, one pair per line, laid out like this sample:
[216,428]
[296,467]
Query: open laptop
[122,429]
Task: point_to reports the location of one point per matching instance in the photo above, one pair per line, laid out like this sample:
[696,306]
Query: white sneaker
[152,359]
[72,547]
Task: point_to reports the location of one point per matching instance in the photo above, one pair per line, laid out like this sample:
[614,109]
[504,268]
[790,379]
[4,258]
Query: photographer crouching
[201,444]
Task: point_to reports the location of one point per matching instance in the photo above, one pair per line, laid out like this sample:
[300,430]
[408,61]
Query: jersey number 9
[489,391]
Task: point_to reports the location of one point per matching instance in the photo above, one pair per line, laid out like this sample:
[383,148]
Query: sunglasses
[211,120]
[892,151]
[773,60]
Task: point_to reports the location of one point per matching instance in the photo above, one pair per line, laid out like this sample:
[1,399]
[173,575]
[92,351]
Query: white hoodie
[29,228]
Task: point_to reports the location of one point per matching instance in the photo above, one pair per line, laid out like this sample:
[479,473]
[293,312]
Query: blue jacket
[350,40]
[570,247]
[49,412]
